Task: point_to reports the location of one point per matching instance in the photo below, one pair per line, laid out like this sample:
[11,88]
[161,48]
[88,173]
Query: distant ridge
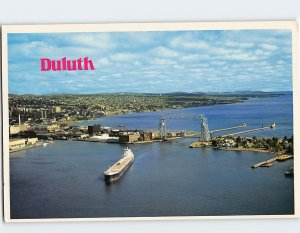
[178,93]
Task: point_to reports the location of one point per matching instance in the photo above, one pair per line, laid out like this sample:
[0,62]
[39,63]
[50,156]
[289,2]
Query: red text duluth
[66,65]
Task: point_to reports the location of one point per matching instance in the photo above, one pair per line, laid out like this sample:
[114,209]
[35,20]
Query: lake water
[254,113]
[65,179]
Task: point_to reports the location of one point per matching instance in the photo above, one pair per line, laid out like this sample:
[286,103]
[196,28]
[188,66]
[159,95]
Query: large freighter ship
[116,171]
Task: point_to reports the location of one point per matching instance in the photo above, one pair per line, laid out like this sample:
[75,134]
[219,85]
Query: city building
[129,137]
[172,134]
[104,138]
[93,129]
[15,129]
[56,109]
[84,136]
[40,114]
[46,128]
[17,144]
[155,135]
[53,127]
[147,135]
[31,141]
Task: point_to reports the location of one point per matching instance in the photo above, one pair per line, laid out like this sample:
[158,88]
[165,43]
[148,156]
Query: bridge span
[205,134]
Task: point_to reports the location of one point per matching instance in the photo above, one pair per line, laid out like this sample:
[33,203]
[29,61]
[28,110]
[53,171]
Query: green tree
[214,142]
[238,141]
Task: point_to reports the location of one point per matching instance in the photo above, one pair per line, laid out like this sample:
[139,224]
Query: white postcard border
[123,27]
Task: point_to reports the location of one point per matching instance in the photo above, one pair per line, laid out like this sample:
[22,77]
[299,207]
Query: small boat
[290,172]
[281,158]
[267,165]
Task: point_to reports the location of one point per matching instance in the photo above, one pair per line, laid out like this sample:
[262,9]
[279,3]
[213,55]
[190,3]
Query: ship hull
[109,179]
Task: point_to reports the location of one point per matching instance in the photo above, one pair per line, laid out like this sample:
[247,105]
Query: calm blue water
[65,179]
[254,113]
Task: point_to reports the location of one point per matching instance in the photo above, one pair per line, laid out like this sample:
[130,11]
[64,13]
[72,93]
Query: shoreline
[149,111]
[208,145]
[39,144]
[246,149]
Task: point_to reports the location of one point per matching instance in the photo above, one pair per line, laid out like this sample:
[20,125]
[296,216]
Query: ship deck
[118,166]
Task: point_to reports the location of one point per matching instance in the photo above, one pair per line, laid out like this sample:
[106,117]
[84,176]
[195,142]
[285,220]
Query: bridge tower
[162,128]
[204,131]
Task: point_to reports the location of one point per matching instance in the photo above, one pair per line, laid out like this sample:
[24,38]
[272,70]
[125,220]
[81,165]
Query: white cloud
[239,57]
[188,42]
[164,52]
[39,49]
[238,44]
[281,62]
[270,47]
[193,57]
[260,52]
[150,72]
[218,63]
[44,83]
[138,57]
[98,40]
[27,49]
[137,63]
[103,61]
[162,61]
[117,75]
[179,67]
[154,82]
[141,37]
[124,57]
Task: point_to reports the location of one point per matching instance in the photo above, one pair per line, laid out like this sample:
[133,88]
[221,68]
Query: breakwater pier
[268,163]
[248,131]
[228,128]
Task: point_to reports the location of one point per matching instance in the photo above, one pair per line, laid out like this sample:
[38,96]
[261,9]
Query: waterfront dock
[269,162]
[264,163]
[31,146]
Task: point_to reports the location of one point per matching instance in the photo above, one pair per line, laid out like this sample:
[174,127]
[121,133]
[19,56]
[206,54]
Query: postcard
[150,121]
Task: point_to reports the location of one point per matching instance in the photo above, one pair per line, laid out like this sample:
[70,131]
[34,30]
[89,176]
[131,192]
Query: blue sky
[157,62]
